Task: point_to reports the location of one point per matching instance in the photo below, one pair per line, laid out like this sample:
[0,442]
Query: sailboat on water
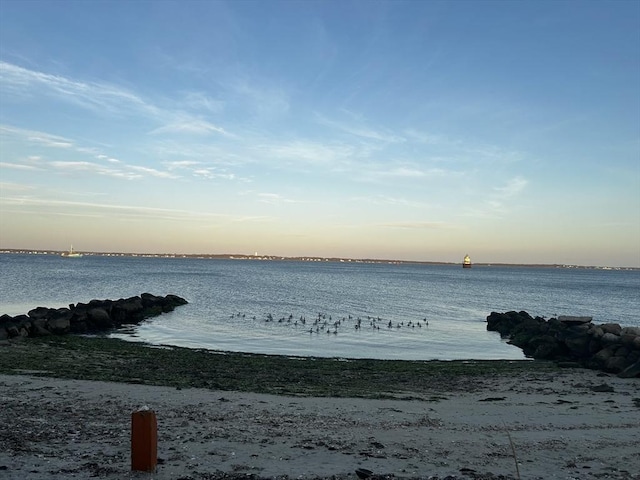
[71,253]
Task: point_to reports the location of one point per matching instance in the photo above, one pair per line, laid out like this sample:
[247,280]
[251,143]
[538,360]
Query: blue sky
[418,130]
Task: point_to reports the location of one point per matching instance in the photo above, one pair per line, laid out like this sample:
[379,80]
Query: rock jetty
[93,317]
[572,341]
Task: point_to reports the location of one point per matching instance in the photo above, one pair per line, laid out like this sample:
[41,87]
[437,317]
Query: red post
[144,441]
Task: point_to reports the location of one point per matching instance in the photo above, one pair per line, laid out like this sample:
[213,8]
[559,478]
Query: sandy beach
[573,424]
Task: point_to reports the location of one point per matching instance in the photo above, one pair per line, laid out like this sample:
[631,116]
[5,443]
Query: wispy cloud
[190,127]
[358,128]
[212,173]
[501,199]
[106,99]
[203,170]
[419,225]
[448,150]
[41,138]
[15,187]
[427,138]
[307,152]
[202,101]
[70,167]
[17,166]
[407,172]
[92,209]
[182,164]
[264,100]
[268,197]
[94,96]
[273,198]
[389,200]
[253,218]
[105,165]
[513,187]
[127,172]
[151,172]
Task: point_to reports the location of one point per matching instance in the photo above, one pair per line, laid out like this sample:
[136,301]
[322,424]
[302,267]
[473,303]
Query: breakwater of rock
[93,317]
[572,340]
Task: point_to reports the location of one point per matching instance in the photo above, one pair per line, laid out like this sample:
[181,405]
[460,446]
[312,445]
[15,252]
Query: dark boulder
[613,328]
[39,327]
[39,312]
[93,317]
[99,320]
[127,311]
[576,340]
[59,321]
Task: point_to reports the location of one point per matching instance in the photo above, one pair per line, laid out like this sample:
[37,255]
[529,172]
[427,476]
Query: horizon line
[255,256]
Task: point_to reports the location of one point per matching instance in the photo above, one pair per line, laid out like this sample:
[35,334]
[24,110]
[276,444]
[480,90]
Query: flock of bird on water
[324,323]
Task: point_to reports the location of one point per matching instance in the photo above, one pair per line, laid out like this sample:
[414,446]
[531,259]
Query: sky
[408,130]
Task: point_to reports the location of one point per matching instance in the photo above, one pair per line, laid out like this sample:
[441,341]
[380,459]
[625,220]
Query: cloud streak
[273,198]
[358,129]
[115,167]
[67,207]
[501,200]
[33,136]
[17,166]
[419,225]
[106,99]
[191,127]
[411,172]
[97,97]
[513,187]
[302,152]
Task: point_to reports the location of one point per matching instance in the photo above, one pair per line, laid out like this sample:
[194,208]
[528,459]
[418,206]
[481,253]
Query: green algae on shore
[113,360]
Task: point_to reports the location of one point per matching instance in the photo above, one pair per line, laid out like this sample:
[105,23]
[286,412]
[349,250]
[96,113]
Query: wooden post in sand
[144,440]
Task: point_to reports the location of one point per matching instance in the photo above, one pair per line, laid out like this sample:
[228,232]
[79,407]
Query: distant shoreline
[239,256]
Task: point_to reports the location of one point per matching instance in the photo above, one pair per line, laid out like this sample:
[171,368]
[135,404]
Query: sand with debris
[574,424]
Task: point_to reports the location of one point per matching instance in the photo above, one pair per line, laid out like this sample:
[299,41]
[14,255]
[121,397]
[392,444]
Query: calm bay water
[272,306]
